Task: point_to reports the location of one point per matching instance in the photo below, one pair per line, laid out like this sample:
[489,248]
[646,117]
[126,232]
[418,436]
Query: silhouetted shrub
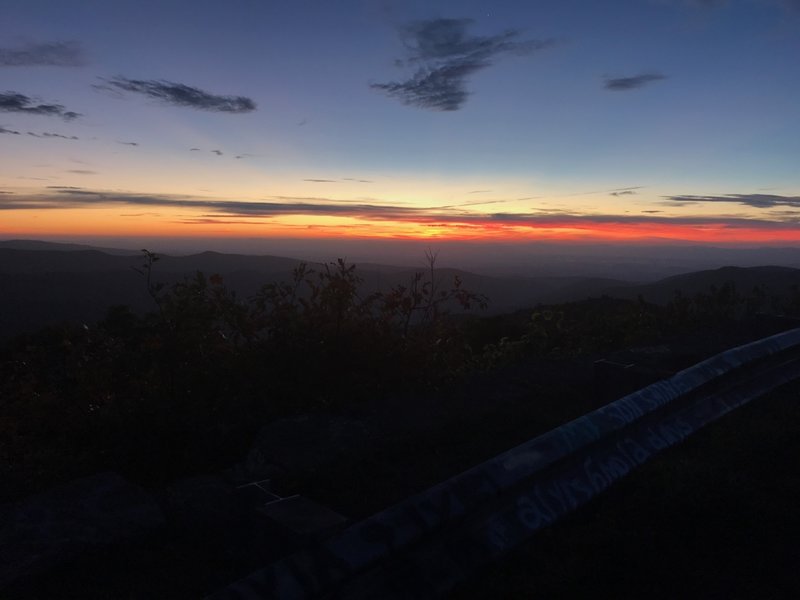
[184,387]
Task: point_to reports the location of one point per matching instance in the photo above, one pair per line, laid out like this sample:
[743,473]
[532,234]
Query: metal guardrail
[423,545]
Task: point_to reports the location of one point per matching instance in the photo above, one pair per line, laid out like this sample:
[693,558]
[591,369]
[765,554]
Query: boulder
[60,524]
[305,444]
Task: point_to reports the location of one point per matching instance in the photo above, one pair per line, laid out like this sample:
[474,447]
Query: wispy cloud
[218,152]
[752,200]
[53,54]
[128,143]
[16,102]
[444,57]
[613,192]
[81,172]
[179,94]
[623,193]
[321,180]
[473,203]
[8,131]
[623,84]
[47,134]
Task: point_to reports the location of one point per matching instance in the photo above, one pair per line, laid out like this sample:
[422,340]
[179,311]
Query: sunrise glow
[274,132]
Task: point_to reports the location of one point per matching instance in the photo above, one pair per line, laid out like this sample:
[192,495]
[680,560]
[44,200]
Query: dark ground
[715,517]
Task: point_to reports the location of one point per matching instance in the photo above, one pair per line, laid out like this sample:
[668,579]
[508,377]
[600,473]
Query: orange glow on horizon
[156,222]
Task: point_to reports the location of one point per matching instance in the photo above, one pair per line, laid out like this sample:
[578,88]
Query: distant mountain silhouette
[40,245]
[777,281]
[45,283]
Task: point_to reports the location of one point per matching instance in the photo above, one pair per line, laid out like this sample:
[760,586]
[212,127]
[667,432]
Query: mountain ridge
[46,285]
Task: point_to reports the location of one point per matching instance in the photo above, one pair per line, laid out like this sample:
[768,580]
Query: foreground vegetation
[183,389]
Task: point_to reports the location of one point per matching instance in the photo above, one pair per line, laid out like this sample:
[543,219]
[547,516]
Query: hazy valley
[46,283]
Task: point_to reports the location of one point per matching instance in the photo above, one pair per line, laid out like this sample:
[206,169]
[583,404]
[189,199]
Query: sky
[624,121]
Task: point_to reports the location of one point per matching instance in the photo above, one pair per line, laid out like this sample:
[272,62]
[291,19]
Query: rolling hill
[46,283]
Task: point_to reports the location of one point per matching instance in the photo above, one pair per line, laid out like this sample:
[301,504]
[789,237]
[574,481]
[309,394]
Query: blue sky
[665,109]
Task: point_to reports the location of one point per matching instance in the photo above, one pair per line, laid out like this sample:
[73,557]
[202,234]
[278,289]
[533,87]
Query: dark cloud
[623,193]
[16,102]
[217,152]
[47,134]
[54,54]
[9,131]
[442,88]
[357,180]
[321,180]
[194,149]
[58,135]
[129,143]
[622,84]
[179,94]
[444,57]
[69,197]
[753,200]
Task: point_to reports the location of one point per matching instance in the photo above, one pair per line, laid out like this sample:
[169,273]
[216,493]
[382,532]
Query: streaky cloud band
[61,197]
[179,94]
[623,84]
[16,102]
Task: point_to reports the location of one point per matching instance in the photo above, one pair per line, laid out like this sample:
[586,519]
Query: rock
[303,517]
[201,502]
[305,444]
[60,524]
